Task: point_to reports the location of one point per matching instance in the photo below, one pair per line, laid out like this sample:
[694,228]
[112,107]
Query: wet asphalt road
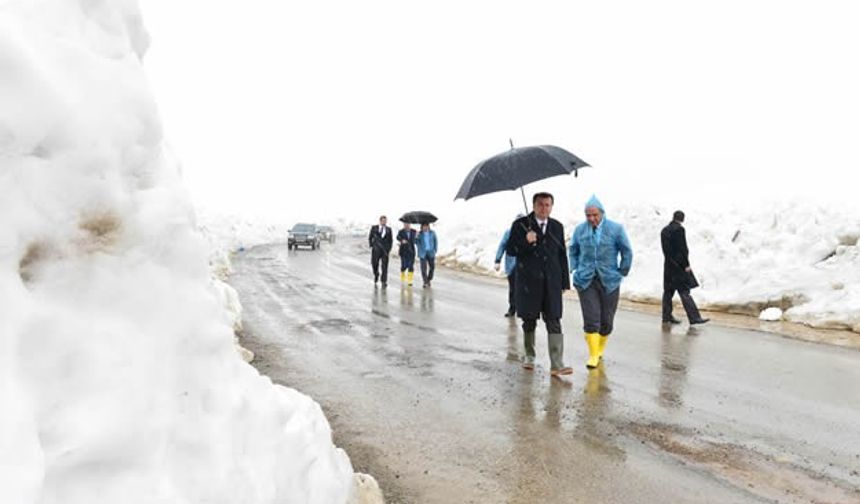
[424,391]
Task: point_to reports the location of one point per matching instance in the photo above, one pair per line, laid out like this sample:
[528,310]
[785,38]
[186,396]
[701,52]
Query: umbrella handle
[525,205]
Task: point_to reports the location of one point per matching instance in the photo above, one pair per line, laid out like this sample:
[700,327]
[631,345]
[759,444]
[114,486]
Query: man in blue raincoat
[510,270]
[595,249]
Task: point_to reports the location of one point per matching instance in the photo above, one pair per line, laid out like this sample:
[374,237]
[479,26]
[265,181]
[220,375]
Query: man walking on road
[510,270]
[594,253]
[406,239]
[677,274]
[380,241]
[427,247]
[537,242]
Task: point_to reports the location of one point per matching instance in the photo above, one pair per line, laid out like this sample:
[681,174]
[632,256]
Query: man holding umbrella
[380,240]
[406,238]
[425,241]
[537,241]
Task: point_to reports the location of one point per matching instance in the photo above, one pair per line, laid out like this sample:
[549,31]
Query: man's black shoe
[672,320]
[700,321]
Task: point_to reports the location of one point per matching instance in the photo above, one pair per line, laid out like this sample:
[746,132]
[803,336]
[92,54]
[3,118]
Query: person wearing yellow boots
[406,239]
[600,256]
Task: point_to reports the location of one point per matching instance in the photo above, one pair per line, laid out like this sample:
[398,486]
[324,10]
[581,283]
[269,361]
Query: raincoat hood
[594,202]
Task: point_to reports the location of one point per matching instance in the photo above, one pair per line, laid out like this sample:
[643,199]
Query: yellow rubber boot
[409,277]
[602,347]
[402,276]
[593,341]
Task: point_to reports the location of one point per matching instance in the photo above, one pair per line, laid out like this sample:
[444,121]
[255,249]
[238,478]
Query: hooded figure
[600,257]
[510,269]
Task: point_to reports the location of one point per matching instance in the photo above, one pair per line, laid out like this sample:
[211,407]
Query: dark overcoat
[673,239]
[542,273]
[407,249]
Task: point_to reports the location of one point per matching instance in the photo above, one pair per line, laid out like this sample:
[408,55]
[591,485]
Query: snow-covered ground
[798,256]
[119,381]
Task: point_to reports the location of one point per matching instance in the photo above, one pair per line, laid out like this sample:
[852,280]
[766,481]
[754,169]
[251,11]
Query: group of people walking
[599,256]
[540,268]
[381,239]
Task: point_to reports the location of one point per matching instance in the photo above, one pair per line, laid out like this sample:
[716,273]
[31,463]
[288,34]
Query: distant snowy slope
[799,256]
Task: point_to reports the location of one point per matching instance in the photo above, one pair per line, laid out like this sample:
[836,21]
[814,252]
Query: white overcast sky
[323,109]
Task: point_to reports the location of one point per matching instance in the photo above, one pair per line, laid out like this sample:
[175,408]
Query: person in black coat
[380,240]
[677,274]
[542,275]
[406,239]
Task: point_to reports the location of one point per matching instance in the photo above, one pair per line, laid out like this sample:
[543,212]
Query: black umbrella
[418,217]
[515,168]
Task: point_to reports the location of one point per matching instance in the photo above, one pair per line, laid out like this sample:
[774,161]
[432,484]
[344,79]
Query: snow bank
[119,381]
[798,256]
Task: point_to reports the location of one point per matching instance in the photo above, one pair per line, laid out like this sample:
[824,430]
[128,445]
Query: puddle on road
[331,325]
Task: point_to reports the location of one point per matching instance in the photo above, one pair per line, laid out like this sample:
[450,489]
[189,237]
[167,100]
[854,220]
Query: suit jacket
[542,273]
[673,240]
[380,244]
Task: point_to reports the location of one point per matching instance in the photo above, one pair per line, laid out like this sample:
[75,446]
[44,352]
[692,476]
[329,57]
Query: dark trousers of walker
[553,326]
[407,262]
[512,289]
[686,300]
[598,308]
[555,341]
[428,266]
[379,262]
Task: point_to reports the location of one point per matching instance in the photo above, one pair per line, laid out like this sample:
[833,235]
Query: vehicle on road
[327,233]
[302,234]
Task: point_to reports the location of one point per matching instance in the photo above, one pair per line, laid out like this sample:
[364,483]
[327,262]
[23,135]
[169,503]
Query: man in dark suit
[380,241]
[677,274]
[537,241]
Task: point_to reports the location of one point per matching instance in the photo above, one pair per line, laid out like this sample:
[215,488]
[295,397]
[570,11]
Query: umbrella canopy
[517,167]
[418,217]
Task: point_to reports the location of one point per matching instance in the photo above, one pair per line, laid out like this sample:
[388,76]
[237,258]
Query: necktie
[543,228]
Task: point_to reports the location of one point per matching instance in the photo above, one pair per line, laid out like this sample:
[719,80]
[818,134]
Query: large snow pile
[798,256]
[120,382]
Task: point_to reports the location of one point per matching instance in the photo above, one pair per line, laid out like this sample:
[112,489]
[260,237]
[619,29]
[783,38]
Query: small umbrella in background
[418,217]
[517,167]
